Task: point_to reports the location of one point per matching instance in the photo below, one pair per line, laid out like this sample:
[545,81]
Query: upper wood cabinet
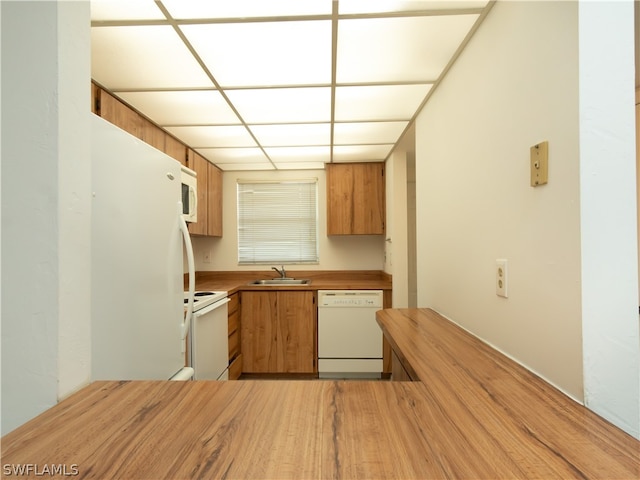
[355,198]
[214,215]
[209,196]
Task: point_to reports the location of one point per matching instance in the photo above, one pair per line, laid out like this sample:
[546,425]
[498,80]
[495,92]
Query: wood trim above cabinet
[114,110]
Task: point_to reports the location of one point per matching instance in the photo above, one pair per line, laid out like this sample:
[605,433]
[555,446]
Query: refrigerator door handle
[191,272]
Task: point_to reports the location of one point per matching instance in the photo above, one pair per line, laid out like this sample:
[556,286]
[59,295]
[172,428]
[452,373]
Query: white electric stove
[208,350]
[203,299]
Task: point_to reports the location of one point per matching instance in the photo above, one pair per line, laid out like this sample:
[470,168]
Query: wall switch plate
[539,164]
[501,278]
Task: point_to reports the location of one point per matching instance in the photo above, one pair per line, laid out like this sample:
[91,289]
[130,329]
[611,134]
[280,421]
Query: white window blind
[278,222]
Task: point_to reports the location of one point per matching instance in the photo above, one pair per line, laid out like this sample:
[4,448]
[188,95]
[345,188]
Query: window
[277,222]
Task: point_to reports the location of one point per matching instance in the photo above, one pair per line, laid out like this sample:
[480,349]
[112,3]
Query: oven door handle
[212,307]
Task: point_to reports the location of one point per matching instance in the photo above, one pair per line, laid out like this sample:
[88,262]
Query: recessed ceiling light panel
[367,133]
[361,153]
[292,134]
[103,10]
[265,54]
[404,49]
[213,136]
[380,102]
[299,154]
[283,105]
[368,6]
[143,57]
[181,9]
[199,107]
[234,155]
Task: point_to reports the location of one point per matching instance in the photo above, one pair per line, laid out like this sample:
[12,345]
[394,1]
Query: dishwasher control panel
[350,298]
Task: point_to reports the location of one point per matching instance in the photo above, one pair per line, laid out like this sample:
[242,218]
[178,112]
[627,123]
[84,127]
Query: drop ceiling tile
[234,155]
[231,167]
[300,166]
[367,6]
[102,10]
[379,102]
[213,136]
[299,154]
[292,134]
[128,58]
[265,53]
[368,133]
[283,105]
[361,153]
[400,49]
[199,107]
[180,9]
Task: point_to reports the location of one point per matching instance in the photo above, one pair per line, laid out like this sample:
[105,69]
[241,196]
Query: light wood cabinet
[279,332]
[113,110]
[214,202]
[355,198]
[235,358]
[209,196]
[116,112]
[199,164]
[152,134]
[175,149]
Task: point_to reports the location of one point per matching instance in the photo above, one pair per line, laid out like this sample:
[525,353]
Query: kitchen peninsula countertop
[474,414]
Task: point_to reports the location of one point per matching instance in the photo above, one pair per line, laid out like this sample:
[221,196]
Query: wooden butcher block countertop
[474,414]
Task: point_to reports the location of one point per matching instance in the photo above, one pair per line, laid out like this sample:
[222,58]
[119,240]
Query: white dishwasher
[349,338]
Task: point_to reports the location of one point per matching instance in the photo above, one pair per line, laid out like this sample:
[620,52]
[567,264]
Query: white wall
[608,213]
[515,85]
[74,204]
[511,89]
[45,205]
[396,244]
[359,252]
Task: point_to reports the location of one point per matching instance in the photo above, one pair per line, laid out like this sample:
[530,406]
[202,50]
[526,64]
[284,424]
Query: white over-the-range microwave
[189,195]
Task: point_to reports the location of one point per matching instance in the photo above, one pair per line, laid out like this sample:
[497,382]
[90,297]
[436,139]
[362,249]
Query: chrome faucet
[281,272]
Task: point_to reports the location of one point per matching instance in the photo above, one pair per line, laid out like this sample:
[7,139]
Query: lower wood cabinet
[279,332]
[235,357]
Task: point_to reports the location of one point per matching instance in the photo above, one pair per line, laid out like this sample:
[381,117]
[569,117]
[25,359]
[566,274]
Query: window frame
[293,223]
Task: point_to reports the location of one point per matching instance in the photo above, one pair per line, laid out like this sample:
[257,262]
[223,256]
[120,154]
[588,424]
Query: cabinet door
[355,199]
[258,339]
[200,165]
[297,327]
[278,332]
[214,220]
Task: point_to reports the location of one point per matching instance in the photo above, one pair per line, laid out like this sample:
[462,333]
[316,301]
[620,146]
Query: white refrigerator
[137,319]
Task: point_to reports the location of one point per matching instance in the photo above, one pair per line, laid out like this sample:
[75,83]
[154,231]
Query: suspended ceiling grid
[264,85]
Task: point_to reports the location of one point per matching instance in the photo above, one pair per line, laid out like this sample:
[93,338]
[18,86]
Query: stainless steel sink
[281,281]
